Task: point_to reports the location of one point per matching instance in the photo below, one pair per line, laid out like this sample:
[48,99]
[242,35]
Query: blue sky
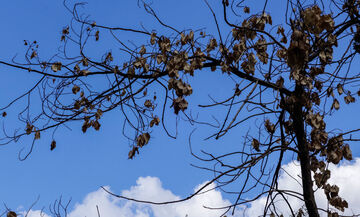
[82,163]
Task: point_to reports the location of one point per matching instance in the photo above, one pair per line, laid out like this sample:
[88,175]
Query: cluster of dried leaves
[141,140]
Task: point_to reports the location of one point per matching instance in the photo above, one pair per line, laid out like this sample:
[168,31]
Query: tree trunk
[304,157]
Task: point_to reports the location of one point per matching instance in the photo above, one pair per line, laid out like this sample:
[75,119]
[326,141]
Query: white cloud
[34,213]
[346,176]
[149,188]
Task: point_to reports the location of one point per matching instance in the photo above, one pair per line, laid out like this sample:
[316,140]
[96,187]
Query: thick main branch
[308,192]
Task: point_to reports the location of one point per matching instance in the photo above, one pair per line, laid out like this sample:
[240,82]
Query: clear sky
[82,163]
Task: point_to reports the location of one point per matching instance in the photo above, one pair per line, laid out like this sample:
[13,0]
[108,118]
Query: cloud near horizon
[346,176]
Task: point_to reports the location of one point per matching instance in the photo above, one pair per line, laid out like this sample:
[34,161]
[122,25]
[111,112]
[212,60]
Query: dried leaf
[97,35]
[298,51]
[133,151]
[77,105]
[56,66]
[142,50]
[330,92]
[340,89]
[98,114]
[336,104]
[53,145]
[255,144]
[29,128]
[332,40]
[77,68]
[37,135]
[4,114]
[283,40]
[315,120]
[212,45]
[11,214]
[191,36]
[85,125]
[181,88]
[280,82]
[280,30]
[179,104]
[143,139]
[148,104]
[281,53]
[109,57]
[153,38]
[155,121]
[246,10]
[349,99]
[65,31]
[33,54]
[269,126]
[347,152]
[85,62]
[75,89]
[84,72]
[249,65]
[96,125]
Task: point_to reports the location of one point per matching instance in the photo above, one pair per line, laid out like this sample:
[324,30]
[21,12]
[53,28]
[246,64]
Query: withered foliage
[291,75]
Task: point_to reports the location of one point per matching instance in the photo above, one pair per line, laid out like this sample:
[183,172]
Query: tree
[289,75]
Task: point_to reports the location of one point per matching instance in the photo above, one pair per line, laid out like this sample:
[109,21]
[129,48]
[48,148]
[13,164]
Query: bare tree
[289,75]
